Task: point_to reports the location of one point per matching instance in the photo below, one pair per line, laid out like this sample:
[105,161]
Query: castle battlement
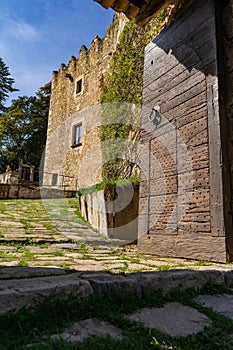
[75,96]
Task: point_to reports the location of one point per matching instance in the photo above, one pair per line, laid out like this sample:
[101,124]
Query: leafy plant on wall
[122,99]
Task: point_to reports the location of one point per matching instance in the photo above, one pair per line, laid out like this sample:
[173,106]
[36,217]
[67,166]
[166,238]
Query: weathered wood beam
[121,5]
[132,11]
[150,9]
[106,3]
[141,10]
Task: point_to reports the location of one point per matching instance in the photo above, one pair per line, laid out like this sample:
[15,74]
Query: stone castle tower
[73,143]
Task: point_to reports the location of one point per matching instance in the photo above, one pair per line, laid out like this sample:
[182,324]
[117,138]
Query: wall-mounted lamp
[155,116]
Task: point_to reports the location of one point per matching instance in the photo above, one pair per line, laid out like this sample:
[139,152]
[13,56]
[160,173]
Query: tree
[23,129]
[6,84]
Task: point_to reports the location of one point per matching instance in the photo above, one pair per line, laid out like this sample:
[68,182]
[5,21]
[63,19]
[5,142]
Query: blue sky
[38,35]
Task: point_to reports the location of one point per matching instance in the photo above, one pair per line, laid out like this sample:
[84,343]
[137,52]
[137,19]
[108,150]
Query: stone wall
[11,177]
[27,191]
[75,97]
[19,191]
[103,211]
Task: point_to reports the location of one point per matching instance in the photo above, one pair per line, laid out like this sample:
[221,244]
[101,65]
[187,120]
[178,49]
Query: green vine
[134,180]
[122,98]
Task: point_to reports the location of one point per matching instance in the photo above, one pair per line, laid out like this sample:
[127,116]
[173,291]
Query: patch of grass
[44,245]
[28,254]
[86,256]
[20,249]
[2,207]
[23,263]
[120,256]
[7,255]
[135,270]
[124,268]
[135,260]
[58,254]
[83,247]
[54,313]
[163,267]
[64,265]
[48,225]
[202,263]
[27,225]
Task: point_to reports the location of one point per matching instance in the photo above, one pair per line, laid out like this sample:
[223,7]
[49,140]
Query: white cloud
[18,28]
[22,30]
[26,31]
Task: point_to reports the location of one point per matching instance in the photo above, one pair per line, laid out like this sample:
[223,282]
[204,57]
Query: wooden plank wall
[181,200]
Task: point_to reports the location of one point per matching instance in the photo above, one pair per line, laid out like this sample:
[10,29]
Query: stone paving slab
[221,303]
[68,242]
[12,273]
[174,319]
[178,278]
[81,330]
[15,294]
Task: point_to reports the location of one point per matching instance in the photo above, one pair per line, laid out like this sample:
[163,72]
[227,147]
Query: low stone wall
[113,211]
[11,177]
[27,191]
[19,191]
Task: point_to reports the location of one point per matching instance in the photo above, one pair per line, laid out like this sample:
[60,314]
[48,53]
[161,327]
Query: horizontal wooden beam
[141,10]
[150,9]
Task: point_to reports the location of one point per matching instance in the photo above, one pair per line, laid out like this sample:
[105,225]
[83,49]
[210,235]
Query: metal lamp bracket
[155,116]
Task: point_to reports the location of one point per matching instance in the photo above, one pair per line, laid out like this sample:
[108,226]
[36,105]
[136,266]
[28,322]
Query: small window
[77,135]
[54,179]
[79,86]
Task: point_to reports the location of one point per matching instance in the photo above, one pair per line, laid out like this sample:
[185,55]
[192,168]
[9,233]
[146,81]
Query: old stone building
[73,154]
[186,160]
[186,189]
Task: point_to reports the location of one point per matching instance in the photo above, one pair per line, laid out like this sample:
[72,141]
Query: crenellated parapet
[77,85]
[73,132]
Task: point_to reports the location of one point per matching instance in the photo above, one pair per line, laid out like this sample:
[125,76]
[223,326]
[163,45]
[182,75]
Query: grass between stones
[53,314]
[37,232]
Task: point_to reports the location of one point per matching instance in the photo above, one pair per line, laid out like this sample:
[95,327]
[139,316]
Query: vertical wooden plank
[224,22]
[215,155]
[188,97]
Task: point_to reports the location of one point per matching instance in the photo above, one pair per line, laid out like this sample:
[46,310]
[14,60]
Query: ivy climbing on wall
[122,98]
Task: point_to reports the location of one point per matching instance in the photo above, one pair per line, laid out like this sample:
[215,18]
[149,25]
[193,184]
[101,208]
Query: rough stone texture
[174,319]
[167,280]
[78,166]
[15,294]
[28,191]
[51,223]
[229,278]
[11,177]
[27,290]
[102,282]
[8,191]
[116,223]
[81,330]
[27,272]
[222,303]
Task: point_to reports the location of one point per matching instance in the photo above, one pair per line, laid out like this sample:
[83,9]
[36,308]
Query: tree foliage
[6,84]
[23,129]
